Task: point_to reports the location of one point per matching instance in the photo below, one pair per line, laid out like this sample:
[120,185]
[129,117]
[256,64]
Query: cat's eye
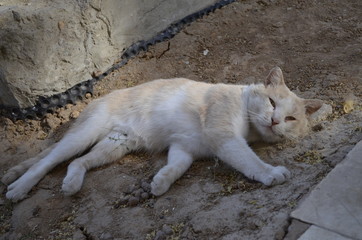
[290,118]
[272,102]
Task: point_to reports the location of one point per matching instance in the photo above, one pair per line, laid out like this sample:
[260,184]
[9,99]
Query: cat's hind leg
[88,129]
[15,172]
[178,161]
[112,147]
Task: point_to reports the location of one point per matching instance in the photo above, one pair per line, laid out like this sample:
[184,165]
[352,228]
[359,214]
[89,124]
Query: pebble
[133,201]
[124,200]
[20,128]
[74,114]
[145,195]
[16,16]
[41,135]
[151,203]
[96,73]
[51,122]
[186,234]
[160,235]
[138,192]
[130,189]
[78,235]
[61,25]
[167,229]
[106,236]
[146,186]
[88,95]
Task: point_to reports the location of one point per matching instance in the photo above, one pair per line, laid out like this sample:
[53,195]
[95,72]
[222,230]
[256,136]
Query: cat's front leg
[239,155]
[178,162]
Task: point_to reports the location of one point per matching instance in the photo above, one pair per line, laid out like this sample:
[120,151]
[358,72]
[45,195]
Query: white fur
[188,118]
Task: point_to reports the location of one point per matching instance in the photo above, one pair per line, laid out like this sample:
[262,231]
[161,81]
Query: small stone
[130,189]
[96,73]
[88,95]
[160,235]
[78,235]
[8,122]
[106,236]
[138,192]
[61,25]
[151,203]
[167,229]
[317,128]
[16,16]
[41,135]
[51,122]
[124,200]
[252,226]
[20,128]
[145,195]
[133,201]
[74,114]
[186,234]
[146,186]
[68,106]
[279,235]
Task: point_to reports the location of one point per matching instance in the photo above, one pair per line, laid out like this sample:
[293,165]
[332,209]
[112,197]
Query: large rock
[48,46]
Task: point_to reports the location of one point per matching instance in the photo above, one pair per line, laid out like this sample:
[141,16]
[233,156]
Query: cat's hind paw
[12,175]
[277,175]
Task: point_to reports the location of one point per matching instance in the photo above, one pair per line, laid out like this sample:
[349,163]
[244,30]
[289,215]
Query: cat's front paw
[159,185]
[73,182]
[277,175]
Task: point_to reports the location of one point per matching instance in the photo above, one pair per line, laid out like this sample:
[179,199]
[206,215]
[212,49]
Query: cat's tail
[93,124]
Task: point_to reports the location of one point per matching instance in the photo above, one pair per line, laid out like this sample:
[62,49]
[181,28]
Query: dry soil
[317,43]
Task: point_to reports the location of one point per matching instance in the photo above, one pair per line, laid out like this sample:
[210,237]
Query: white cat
[190,119]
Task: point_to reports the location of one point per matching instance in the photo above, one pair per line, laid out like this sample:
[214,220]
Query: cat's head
[276,112]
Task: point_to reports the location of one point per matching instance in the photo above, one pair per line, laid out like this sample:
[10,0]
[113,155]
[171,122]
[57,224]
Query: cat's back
[158,93]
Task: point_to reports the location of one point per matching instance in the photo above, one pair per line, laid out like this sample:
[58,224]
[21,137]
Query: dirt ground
[318,44]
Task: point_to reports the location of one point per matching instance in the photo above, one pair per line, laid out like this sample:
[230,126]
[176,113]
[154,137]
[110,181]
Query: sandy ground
[318,44]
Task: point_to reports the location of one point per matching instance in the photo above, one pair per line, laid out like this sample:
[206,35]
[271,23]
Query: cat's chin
[268,135]
[272,139]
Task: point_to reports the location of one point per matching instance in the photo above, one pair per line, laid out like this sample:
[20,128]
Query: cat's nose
[274,122]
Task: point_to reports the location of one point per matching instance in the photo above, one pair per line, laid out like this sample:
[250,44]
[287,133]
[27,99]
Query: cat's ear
[312,105]
[275,77]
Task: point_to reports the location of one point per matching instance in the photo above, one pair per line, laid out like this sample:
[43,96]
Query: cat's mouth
[273,131]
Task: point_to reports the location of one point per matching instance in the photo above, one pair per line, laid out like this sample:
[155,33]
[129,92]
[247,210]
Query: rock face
[48,46]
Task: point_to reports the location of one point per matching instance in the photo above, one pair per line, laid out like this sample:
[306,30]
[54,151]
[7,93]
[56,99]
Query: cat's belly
[191,141]
[158,134]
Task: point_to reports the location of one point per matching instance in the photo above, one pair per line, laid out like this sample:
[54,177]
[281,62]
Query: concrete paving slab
[336,203]
[296,229]
[317,233]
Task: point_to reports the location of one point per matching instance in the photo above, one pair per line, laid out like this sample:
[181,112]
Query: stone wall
[48,46]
